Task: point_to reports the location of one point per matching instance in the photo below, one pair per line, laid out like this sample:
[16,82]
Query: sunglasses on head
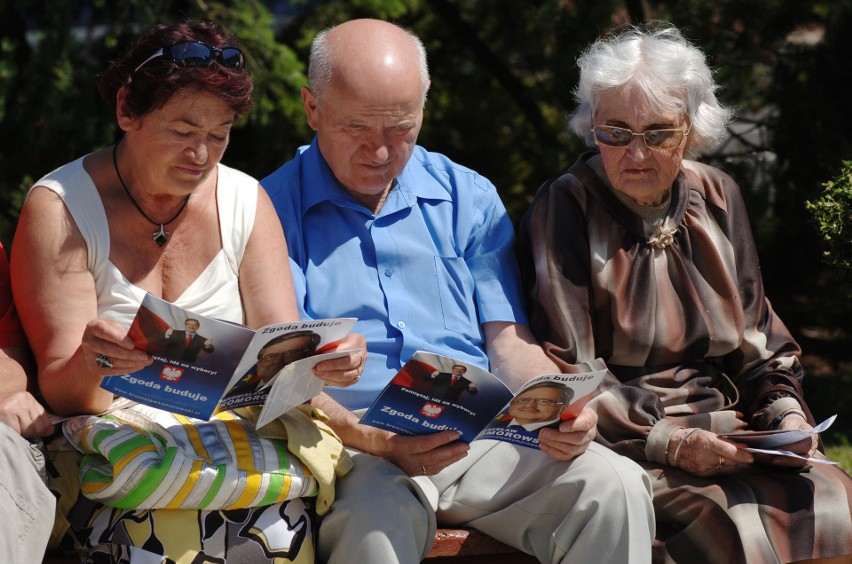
[654,138]
[198,54]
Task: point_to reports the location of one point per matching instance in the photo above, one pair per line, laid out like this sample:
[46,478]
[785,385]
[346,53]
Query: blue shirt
[424,273]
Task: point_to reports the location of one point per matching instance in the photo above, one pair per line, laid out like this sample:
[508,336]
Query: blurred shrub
[831,213]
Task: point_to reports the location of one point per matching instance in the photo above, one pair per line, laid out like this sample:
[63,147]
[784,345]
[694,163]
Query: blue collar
[413,184]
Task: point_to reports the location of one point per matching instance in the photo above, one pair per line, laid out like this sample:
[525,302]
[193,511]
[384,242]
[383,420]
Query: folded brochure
[793,443]
[433,393]
[203,365]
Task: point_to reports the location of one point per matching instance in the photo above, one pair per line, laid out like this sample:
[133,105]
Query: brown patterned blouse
[675,309]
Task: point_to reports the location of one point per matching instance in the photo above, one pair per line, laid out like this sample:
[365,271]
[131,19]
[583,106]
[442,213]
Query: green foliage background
[832,215]
[502,78]
[503,72]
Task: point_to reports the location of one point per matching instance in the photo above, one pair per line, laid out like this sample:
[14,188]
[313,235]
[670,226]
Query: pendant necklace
[161,236]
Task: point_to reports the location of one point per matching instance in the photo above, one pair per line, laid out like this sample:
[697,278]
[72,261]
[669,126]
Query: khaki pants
[26,505]
[596,508]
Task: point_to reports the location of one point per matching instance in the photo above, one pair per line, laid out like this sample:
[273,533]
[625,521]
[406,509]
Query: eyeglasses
[287,356]
[197,54]
[537,401]
[654,138]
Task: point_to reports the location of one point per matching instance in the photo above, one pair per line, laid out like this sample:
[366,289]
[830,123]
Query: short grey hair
[670,71]
[321,64]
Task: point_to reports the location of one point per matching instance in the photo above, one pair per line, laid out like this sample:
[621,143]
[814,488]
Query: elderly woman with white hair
[641,261]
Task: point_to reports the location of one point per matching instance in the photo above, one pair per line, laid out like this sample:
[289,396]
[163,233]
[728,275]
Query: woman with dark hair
[157,212]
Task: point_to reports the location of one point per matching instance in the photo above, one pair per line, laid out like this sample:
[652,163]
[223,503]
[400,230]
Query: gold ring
[721,463]
[423,469]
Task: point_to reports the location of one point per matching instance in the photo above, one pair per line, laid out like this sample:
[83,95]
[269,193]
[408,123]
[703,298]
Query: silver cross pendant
[161,236]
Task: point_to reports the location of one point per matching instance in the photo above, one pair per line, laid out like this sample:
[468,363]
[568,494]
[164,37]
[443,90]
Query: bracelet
[669,442]
[680,444]
[791,411]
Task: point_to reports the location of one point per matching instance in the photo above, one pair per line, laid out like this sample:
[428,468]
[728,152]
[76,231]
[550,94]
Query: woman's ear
[123,116]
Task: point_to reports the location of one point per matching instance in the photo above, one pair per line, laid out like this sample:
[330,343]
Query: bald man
[419,250]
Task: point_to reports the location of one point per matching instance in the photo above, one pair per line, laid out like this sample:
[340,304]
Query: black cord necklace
[161,236]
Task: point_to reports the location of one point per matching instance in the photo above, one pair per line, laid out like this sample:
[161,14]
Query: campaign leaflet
[544,401]
[433,393]
[789,443]
[203,364]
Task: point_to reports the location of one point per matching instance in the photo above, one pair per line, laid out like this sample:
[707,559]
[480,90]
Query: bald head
[368,56]
[368,88]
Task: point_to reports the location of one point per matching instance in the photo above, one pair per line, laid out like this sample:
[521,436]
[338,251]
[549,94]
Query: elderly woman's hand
[795,422]
[107,350]
[702,453]
[346,370]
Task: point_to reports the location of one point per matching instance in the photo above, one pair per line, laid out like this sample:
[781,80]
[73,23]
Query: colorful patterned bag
[145,458]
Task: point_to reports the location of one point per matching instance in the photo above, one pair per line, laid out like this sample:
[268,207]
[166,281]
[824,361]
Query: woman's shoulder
[236,189]
[705,173]
[69,187]
[578,174]
[570,188]
[66,175]
[233,176]
[714,185]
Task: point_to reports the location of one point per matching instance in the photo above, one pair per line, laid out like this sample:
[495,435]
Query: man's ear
[309,101]
[426,92]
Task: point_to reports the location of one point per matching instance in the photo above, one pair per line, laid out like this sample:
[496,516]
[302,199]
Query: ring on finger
[721,463]
[423,469]
[103,361]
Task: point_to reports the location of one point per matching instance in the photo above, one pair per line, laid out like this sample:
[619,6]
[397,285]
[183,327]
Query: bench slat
[465,545]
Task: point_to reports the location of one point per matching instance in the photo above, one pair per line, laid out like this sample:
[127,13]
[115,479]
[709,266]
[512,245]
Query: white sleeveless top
[215,293]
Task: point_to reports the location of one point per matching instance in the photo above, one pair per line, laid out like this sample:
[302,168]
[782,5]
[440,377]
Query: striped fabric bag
[145,458]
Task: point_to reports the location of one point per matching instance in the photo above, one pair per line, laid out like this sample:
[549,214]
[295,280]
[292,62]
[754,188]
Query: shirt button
[400,324]
[388,272]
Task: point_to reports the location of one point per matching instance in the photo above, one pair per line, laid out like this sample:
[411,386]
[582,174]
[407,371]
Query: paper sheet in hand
[772,443]
[294,385]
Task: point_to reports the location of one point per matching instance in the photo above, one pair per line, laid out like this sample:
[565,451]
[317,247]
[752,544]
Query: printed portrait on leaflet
[277,353]
[451,385]
[537,406]
[185,345]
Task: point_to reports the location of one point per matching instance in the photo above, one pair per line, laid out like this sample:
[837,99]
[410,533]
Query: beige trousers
[26,505]
[596,508]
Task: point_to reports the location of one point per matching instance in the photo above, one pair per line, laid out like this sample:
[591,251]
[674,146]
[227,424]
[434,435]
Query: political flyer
[544,401]
[432,393]
[202,364]
[784,443]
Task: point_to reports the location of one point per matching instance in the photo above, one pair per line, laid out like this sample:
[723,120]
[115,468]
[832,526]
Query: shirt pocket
[456,290]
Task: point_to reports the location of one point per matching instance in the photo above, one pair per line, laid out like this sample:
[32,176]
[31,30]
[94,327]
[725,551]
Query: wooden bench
[473,547]
[458,546]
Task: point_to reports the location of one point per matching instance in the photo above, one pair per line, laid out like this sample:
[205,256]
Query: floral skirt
[278,533]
